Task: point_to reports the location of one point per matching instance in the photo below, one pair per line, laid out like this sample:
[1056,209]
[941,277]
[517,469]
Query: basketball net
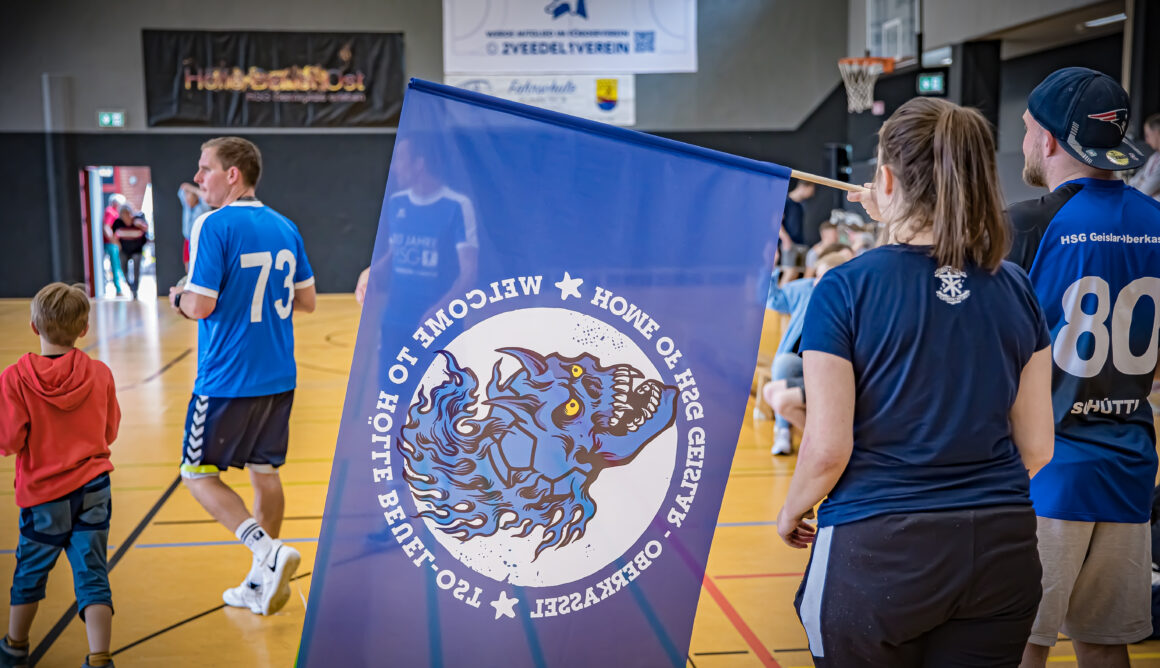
[859,75]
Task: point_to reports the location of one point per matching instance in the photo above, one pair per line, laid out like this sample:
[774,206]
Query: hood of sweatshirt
[64,382]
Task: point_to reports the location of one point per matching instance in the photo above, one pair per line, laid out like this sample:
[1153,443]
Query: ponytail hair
[943,157]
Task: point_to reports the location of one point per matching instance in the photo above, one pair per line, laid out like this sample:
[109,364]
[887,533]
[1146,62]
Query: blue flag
[551,373]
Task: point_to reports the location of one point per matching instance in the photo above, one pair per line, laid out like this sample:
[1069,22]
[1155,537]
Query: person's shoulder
[1036,213]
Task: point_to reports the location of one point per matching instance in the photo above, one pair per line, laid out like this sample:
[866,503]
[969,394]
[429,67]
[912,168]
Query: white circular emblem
[559,452]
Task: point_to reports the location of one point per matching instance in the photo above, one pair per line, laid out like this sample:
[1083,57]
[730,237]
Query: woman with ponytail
[928,368]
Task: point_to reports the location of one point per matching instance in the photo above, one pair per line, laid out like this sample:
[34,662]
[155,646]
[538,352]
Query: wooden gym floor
[170,561]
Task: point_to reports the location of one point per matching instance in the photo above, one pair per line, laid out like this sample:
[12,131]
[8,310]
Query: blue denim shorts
[77,523]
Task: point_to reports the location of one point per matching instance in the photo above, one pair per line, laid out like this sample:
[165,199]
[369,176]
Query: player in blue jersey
[248,274]
[927,366]
[1092,249]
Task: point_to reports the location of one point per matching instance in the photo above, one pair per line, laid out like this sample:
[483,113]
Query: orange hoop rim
[886,63]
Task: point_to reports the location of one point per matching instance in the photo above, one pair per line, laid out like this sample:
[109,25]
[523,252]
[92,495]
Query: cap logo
[1118,117]
[1117,157]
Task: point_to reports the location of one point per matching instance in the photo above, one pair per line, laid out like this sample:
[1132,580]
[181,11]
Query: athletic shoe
[107,665]
[245,595]
[277,570]
[782,441]
[10,657]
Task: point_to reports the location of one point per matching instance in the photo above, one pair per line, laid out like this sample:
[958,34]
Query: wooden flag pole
[823,181]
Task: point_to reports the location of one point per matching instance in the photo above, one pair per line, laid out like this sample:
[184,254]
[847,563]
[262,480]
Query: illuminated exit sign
[111,119]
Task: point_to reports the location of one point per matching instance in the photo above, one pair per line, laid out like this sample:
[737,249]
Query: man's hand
[173,292]
[796,531]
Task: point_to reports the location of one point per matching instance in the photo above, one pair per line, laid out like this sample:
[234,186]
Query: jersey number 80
[1066,348]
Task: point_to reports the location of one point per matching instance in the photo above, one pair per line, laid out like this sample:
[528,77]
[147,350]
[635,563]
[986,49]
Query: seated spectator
[1147,178]
[830,234]
[786,370]
[791,236]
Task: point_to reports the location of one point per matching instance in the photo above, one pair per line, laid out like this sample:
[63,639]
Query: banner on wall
[548,385]
[608,99]
[570,36]
[272,79]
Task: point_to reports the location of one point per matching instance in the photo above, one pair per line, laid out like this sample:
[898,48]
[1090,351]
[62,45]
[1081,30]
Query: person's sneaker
[11,656]
[245,595]
[782,441]
[277,570]
[88,665]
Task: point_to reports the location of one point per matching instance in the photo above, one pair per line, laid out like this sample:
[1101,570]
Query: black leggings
[134,278]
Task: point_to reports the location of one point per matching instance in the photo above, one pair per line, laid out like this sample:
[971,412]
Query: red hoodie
[58,416]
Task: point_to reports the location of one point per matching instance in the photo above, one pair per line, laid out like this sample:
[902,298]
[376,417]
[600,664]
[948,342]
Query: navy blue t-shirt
[937,356]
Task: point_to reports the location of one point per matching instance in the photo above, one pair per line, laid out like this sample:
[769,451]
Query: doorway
[119,232]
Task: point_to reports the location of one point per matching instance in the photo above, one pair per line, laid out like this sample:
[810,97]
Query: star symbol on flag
[505,606]
[569,287]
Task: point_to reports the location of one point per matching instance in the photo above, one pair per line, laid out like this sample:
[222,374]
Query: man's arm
[305,299]
[193,305]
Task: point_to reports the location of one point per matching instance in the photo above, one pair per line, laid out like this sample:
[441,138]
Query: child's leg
[20,621]
[87,552]
[98,627]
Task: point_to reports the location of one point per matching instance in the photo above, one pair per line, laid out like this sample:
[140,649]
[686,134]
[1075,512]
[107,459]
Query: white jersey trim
[197,289]
[304,284]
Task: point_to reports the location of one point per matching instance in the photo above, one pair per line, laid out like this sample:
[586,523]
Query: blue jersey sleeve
[304,274]
[828,326]
[207,258]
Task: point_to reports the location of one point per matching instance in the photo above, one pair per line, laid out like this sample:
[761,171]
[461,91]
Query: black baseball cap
[1087,111]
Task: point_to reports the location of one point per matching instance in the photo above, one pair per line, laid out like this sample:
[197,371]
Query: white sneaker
[782,442]
[244,595]
[277,570]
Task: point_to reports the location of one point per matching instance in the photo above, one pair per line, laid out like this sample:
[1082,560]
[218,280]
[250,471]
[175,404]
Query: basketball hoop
[859,75]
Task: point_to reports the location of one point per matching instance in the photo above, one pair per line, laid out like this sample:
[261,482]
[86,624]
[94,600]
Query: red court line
[758,575]
[747,633]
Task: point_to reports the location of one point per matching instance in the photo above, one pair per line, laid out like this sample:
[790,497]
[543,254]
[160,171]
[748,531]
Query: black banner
[273,79]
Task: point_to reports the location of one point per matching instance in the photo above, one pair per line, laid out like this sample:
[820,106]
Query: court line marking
[67,617]
[214,543]
[169,365]
[738,576]
[747,633]
[213,521]
[186,621]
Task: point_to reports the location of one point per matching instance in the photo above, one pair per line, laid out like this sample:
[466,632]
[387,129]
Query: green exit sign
[111,119]
[932,83]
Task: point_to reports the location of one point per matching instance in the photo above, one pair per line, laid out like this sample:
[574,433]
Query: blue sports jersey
[251,259]
[793,299]
[1094,247]
[937,357]
[426,235]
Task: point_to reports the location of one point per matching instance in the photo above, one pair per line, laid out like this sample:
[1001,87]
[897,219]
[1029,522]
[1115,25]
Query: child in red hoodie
[58,415]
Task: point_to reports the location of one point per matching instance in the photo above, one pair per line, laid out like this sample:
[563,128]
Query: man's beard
[1033,172]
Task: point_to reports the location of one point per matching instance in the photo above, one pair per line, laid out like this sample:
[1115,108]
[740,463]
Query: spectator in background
[792,233]
[193,205]
[1147,178]
[131,229]
[786,371]
[830,235]
[112,244]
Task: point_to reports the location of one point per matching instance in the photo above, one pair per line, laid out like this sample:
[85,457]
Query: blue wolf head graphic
[550,429]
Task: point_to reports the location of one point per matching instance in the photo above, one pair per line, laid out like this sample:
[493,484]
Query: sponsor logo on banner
[606,99]
[571,36]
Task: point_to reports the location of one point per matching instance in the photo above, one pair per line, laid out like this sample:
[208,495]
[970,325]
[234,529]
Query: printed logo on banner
[558,8]
[540,446]
[606,94]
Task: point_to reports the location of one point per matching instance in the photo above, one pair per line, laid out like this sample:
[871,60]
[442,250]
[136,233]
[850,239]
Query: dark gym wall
[765,67]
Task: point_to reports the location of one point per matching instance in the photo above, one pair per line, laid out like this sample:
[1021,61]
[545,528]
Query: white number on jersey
[265,260]
[1066,348]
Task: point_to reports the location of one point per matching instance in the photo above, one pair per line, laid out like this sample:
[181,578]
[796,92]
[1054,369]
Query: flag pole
[823,181]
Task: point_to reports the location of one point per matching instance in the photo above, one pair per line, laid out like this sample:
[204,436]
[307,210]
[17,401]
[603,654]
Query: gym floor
[169,561]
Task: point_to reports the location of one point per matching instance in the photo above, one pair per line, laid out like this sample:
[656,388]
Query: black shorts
[947,588]
[238,432]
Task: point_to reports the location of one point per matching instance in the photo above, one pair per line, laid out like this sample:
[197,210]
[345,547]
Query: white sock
[255,538]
